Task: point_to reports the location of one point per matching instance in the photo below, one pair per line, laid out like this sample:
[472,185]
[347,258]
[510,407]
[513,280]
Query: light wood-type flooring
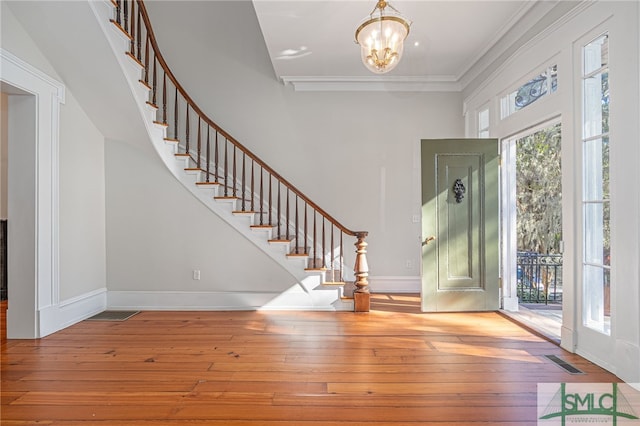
[392,366]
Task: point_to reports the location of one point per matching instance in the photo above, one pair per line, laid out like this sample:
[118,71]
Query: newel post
[361,296]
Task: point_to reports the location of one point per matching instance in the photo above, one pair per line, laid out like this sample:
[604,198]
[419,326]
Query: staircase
[230,180]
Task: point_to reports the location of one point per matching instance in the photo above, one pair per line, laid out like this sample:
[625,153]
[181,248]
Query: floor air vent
[564,365]
[113,316]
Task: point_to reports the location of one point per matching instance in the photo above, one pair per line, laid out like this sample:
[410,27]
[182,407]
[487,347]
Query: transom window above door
[543,84]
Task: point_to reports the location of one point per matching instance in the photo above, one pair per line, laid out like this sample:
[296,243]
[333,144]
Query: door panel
[460,266]
[460,249]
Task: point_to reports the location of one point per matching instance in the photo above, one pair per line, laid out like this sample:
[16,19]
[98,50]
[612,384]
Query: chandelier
[381,38]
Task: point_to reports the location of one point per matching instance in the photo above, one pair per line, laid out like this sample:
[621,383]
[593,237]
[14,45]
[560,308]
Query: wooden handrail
[131,20]
[206,119]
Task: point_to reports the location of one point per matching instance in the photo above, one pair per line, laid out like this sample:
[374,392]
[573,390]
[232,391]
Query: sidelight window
[596,262]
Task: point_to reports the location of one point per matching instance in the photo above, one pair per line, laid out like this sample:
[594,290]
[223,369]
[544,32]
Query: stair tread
[207,183]
[145,84]
[182,154]
[152,105]
[243,212]
[118,26]
[265,226]
[171,140]
[161,123]
[136,60]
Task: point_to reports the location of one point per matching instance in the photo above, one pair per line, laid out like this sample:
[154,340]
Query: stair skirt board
[292,299]
[314,297]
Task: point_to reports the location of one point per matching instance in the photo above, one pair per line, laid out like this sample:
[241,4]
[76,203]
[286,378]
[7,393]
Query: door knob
[428,240]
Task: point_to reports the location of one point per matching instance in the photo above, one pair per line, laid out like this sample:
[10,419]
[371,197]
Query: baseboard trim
[71,311]
[397,284]
[597,360]
[510,304]
[212,301]
[626,358]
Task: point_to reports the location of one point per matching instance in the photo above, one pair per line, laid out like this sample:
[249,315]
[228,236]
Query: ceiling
[312,42]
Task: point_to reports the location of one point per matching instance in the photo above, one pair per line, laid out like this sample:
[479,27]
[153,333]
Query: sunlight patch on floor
[519,355]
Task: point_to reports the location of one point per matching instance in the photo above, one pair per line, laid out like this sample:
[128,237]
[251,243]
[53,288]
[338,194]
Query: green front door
[460,225]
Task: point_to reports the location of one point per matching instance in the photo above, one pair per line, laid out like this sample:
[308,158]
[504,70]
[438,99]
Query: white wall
[561,45]
[355,154]
[82,203]
[78,189]
[158,233]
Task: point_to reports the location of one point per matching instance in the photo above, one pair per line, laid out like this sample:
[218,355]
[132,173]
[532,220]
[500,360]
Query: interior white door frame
[36,303]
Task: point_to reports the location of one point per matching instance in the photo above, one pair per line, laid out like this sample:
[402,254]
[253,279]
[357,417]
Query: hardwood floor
[392,366]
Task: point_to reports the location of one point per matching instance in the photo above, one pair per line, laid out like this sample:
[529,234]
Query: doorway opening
[532,228]
[19,310]
[4,162]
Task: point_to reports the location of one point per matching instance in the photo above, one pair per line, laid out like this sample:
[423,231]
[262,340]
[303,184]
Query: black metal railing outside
[539,277]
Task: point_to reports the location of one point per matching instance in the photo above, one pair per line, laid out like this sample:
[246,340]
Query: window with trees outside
[596,262]
[539,216]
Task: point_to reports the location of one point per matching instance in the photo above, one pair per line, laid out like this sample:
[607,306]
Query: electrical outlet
[408,264]
[196,274]
[415,218]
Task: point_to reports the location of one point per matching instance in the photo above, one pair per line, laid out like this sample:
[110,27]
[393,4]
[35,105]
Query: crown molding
[442,83]
[508,26]
[547,15]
